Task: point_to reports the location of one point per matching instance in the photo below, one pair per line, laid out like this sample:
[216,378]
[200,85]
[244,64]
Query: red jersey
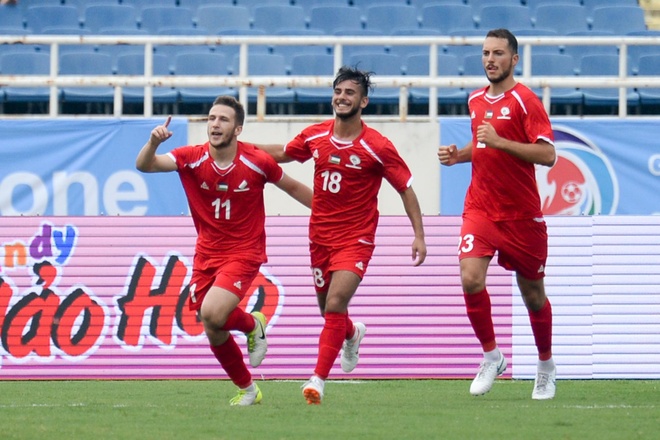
[347,178]
[503,187]
[227,204]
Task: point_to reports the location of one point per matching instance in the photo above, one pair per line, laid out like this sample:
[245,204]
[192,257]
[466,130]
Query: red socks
[479,313]
[239,320]
[231,358]
[330,342]
[541,322]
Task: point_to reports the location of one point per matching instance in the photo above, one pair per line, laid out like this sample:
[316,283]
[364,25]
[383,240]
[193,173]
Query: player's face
[498,60]
[347,100]
[221,126]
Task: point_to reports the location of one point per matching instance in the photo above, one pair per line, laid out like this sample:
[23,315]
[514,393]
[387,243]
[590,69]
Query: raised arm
[411,205]
[275,150]
[296,189]
[147,160]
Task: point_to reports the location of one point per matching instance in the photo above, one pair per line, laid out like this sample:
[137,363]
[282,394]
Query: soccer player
[350,162]
[224,181]
[511,133]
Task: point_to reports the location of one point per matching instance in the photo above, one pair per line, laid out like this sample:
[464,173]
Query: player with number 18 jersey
[347,178]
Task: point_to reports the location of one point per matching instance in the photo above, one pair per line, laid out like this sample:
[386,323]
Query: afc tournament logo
[582,182]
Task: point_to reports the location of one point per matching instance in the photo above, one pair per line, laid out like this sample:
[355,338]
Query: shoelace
[239,397]
[542,381]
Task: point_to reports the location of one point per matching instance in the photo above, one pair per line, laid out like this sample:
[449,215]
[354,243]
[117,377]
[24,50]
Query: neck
[348,129]
[224,154]
[502,86]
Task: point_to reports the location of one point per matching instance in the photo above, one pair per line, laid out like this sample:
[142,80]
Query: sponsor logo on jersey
[204,185]
[360,265]
[238,285]
[355,162]
[582,182]
[505,113]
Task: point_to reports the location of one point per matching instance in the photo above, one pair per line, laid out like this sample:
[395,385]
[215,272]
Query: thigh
[327,260]
[235,276]
[526,248]
[478,239]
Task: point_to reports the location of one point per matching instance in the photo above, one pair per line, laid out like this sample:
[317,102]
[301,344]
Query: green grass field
[370,409]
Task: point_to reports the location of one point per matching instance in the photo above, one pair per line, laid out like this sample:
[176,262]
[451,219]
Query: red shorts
[326,259]
[235,276]
[522,245]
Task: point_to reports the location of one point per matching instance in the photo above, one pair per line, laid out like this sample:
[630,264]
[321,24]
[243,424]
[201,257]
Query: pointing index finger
[167,122]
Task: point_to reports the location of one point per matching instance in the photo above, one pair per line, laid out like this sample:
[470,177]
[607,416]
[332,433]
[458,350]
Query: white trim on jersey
[251,165]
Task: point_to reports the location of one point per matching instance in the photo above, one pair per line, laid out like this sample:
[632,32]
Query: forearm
[276,151]
[413,211]
[541,152]
[146,158]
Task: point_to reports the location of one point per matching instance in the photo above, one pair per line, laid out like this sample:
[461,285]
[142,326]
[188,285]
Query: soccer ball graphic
[571,192]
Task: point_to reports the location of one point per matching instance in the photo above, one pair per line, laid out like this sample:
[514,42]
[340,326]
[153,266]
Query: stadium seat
[218,18]
[330,18]
[102,16]
[11,17]
[141,4]
[265,64]
[447,18]
[77,63]
[26,63]
[313,64]
[603,65]
[272,18]
[590,5]
[537,48]
[534,4]
[563,18]
[618,19]
[194,5]
[418,65]
[133,64]
[405,50]
[385,17]
[307,5]
[381,64]
[40,16]
[153,18]
[504,16]
[649,65]
[476,5]
[561,66]
[213,64]
[473,65]
[250,4]
[288,52]
[578,50]
[349,49]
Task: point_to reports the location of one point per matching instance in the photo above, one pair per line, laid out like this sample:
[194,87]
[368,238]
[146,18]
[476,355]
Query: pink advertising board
[105,298]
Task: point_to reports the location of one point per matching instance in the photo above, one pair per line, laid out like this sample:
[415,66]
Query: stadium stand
[218,18]
[453,98]
[133,64]
[649,65]
[274,18]
[447,18]
[598,65]
[155,18]
[330,18]
[618,19]
[98,16]
[562,18]
[385,17]
[40,16]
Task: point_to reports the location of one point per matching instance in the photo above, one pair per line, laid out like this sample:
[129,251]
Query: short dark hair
[361,77]
[230,101]
[506,35]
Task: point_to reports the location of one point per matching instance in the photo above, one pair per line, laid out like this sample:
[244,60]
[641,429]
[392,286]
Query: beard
[348,115]
[499,78]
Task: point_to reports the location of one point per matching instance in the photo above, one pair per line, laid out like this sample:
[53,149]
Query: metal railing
[243,80]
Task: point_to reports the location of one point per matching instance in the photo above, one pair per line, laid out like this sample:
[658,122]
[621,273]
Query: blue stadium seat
[551,49]
[272,18]
[577,50]
[291,51]
[590,5]
[313,64]
[141,4]
[39,16]
[120,30]
[618,19]
[101,16]
[26,63]
[473,65]
[218,18]
[504,16]
[251,4]
[603,65]
[534,4]
[561,66]
[385,17]
[194,5]
[213,64]
[266,64]
[78,63]
[349,49]
[11,17]
[133,64]
[563,18]
[405,50]
[330,18]
[418,65]
[381,64]
[447,18]
[649,65]
[307,5]
[153,18]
